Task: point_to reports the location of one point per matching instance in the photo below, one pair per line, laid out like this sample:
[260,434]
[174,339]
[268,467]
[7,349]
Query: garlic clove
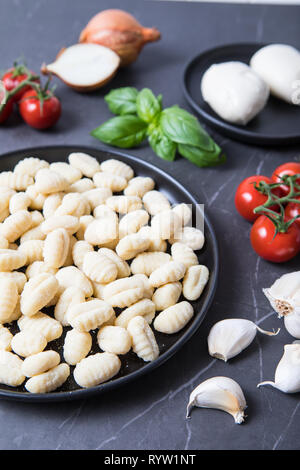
[292,324]
[221,393]
[284,294]
[227,338]
[84,67]
[287,374]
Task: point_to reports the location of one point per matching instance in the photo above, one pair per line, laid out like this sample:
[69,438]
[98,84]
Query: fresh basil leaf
[122,100]
[148,106]
[162,145]
[122,131]
[200,157]
[184,128]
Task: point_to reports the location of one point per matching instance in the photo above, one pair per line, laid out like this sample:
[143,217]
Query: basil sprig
[140,115]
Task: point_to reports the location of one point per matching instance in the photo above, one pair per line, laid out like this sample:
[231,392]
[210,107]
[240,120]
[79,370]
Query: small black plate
[132,366]
[277,123]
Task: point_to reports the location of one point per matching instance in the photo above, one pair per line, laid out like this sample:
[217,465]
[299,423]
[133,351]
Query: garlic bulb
[284,294]
[221,393]
[292,324]
[287,374]
[228,338]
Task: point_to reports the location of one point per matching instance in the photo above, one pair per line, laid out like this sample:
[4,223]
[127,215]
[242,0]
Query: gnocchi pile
[114,264]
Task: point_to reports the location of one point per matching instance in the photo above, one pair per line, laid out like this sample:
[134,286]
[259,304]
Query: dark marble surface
[150,413]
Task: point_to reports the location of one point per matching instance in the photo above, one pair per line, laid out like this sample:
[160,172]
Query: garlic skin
[287,374]
[221,393]
[227,338]
[284,294]
[292,324]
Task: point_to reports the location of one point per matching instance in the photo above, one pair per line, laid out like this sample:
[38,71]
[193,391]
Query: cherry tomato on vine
[13,77]
[40,110]
[282,247]
[247,198]
[293,210]
[290,168]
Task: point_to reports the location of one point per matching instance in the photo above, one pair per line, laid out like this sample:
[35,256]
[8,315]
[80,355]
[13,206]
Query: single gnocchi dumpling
[123,268]
[102,230]
[167,295]
[5,339]
[16,181]
[166,224]
[132,222]
[19,202]
[114,339]
[87,164]
[35,233]
[169,272]
[33,250]
[26,343]
[37,198]
[96,369]
[116,167]
[56,248]
[127,297]
[109,180]
[77,345]
[30,166]
[184,212]
[48,381]
[73,277]
[17,277]
[36,218]
[155,202]
[147,262]
[80,249]
[89,315]
[143,340]
[39,363]
[143,308]
[41,324]
[191,237]
[70,173]
[174,318]
[11,259]
[38,291]
[68,222]
[74,204]
[11,369]
[99,268]
[71,296]
[81,186]
[121,286]
[184,254]
[48,181]
[97,196]
[15,225]
[124,204]
[8,299]
[131,245]
[52,202]
[139,186]
[194,281]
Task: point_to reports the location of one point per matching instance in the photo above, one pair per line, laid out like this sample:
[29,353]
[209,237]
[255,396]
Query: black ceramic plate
[132,366]
[277,123]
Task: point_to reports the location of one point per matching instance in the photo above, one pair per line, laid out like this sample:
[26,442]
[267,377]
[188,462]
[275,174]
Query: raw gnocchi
[87,250]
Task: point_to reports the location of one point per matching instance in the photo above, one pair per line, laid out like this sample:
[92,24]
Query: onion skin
[119,31]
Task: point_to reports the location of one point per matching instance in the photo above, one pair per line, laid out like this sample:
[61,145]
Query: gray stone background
[150,413]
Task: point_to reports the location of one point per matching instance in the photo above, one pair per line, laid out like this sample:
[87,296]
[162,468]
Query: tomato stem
[29,81]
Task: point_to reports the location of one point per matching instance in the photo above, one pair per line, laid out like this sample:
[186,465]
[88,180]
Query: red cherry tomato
[293,210]
[278,249]
[38,115]
[290,168]
[247,198]
[13,77]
